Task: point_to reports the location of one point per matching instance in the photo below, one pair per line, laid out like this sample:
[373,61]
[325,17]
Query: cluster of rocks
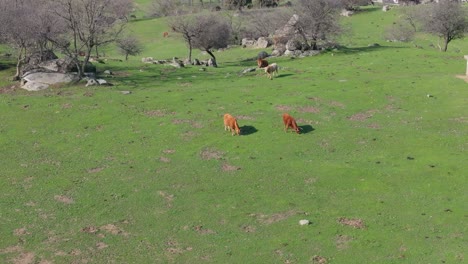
[285,41]
[43,69]
[177,63]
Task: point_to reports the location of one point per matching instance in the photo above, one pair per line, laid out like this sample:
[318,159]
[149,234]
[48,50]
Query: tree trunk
[213,57]
[18,65]
[126,56]
[190,52]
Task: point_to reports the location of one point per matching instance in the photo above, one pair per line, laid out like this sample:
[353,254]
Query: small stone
[304,222]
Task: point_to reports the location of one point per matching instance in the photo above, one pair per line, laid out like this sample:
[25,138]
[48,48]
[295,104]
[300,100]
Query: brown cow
[165,34]
[230,124]
[262,63]
[290,122]
[271,70]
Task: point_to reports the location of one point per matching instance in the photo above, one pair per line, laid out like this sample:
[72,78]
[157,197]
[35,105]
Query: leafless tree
[203,31]
[318,21]
[263,23]
[188,28]
[447,19]
[87,24]
[22,25]
[215,34]
[129,45]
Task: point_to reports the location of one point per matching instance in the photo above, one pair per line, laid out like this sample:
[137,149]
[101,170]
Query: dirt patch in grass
[25,258]
[308,109]
[283,108]
[310,181]
[168,197]
[64,199]
[113,229]
[203,231]
[210,153]
[274,218]
[342,241]
[158,113]
[245,117]
[374,126]
[249,229]
[319,260]
[21,232]
[90,229]
[227,167]
[362,115]
[337,104]
[356,223]
[188,135]
[169,151]
[187,121]
[95,170]
[8,89]
[164,159]
[174,248]
[101,245]
[11,249]
[67,106]
[461,119]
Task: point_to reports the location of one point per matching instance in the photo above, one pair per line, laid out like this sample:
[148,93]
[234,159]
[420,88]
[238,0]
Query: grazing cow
[165,34]
[262,63]
[230,124]
[271,70]
[290,122]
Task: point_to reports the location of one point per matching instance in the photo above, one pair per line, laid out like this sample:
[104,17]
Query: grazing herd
[230,124]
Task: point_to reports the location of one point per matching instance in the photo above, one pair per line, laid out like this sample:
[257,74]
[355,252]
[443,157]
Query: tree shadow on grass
[248,130]
[306,129]
[370,48]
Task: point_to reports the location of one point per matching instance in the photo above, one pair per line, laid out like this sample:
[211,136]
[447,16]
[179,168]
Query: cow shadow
[306,129]
[281,75]
[248,130]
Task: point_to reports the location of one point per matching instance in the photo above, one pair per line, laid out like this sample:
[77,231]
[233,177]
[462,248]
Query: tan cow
[230,124]
[271,70]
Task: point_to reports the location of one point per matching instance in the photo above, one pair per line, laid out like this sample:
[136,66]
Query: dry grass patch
[25,258]
[168,197]
[274,218]
[203,231]
[308,109]
[158,113]
[227,167]
[356,223]
[342,241]
[362,115]
[64,199]
[210,153]
[319,260]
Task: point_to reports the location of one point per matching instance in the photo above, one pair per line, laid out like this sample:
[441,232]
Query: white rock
[304,222]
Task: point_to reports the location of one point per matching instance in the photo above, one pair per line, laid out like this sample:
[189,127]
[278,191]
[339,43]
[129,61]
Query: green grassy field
[92,175]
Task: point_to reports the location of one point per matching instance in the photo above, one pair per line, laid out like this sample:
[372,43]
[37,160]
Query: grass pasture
[92,175]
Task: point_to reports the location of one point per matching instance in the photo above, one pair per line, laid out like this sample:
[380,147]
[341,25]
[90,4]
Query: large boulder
[33,61]
[41,80]
[262,55]
[282,35]
[293,45]
[262,43]
[247,42]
